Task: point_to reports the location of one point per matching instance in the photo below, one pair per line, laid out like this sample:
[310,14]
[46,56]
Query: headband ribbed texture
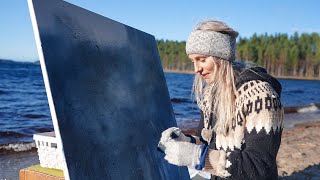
[211,43]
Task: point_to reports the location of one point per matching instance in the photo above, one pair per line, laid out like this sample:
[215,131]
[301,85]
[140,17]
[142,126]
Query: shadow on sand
[311,172]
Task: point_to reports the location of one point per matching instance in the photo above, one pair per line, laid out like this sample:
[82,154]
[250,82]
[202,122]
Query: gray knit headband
[211,43]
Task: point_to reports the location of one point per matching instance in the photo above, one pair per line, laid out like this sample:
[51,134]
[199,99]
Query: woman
[241,112]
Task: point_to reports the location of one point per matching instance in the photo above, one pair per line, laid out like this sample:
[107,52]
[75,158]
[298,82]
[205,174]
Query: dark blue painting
[108,93]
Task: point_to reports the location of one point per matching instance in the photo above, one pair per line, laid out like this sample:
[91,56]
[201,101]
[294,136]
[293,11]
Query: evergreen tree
[281,55]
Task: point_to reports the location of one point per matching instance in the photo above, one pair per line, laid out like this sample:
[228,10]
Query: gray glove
[166,135]
[182,153]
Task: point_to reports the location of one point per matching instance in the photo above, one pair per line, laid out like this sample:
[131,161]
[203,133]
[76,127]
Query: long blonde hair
[222,90]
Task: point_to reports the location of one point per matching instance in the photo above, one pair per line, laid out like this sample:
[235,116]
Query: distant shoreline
[278,77]
[183,72]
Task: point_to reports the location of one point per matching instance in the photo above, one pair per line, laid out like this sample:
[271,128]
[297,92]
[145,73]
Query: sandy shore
[299,154]
[298,157]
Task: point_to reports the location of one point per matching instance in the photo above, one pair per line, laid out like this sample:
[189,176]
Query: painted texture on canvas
[109,94]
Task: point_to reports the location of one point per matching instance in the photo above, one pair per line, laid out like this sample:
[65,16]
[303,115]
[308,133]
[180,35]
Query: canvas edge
[46,82]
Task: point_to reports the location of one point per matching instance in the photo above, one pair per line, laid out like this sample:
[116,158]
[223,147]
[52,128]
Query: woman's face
[204,65]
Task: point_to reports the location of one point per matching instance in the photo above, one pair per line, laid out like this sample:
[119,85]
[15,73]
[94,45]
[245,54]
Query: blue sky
[167,19]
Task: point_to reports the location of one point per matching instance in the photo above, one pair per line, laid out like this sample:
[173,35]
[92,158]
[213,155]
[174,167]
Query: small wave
[17,147]
[302,109]
[34,116]
[178,114]
[42,129]
[310,108]
[12,134]
[179,100]
[3,92]
[38,84]
[296,91]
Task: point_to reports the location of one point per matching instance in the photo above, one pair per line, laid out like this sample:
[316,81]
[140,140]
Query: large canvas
[107,93]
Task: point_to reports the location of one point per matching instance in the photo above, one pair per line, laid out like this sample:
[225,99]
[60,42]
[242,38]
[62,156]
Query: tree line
[280,54]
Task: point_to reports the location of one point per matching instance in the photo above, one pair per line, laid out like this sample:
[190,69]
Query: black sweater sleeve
[258,158]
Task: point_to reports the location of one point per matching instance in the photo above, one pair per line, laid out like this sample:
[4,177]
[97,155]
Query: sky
[166,19]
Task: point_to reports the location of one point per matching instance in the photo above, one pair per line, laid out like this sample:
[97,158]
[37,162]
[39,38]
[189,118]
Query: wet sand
[298,157]
[10,164]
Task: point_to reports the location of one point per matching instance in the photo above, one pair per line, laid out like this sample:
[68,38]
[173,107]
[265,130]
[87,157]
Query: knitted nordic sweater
[249,150]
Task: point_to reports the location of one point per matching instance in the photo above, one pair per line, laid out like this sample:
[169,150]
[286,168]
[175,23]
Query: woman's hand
[182,153]
[175,134]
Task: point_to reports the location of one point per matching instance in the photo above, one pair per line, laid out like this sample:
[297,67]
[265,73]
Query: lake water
[24,109]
